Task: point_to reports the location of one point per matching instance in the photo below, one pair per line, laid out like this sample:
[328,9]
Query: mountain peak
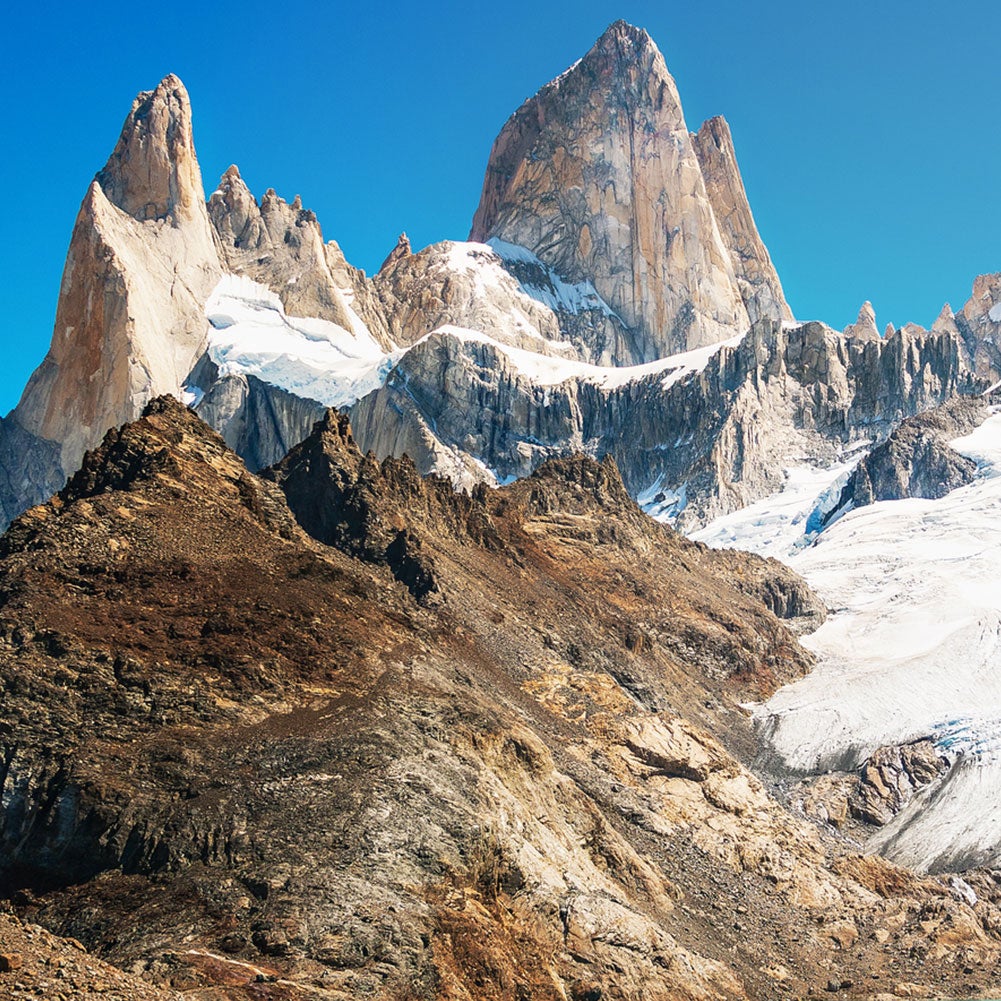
[598,176]
[153,172]
[864,328]
[398,253]
[621,33]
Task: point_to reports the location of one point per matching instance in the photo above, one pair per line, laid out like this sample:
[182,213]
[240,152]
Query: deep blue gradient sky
[868,133]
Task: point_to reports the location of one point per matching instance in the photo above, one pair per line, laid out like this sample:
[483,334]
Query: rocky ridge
[916,460]
[478,359]
[279,775]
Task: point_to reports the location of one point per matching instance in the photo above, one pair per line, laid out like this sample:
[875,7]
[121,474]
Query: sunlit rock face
[141,263]
[598,175]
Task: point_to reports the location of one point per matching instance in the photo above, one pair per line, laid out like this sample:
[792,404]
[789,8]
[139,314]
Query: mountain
[481,360]
[342,655]
[444,745]
[598,175]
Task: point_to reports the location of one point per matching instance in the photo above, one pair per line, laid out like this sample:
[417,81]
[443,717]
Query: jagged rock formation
[864,328]
[756,276]
[720,435]
[296,780]
[141,264]
[277,245]
[598,175]
[916,460]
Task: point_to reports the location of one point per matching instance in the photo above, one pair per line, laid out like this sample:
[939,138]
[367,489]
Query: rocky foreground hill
[340,731]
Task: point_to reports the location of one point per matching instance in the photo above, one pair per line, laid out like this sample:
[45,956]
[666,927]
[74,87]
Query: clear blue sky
[869,134]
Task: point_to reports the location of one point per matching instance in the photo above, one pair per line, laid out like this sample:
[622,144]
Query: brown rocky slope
[463,750]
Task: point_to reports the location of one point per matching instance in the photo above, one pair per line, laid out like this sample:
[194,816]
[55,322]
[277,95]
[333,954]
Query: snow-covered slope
[912,650]
[251,335]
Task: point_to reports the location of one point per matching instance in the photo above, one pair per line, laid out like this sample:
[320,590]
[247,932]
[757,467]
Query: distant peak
[398,253]
[864,327]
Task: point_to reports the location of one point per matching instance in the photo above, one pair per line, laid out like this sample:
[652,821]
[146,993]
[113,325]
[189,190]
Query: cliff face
[716,438]
[142,261]
[598,175]
[299,776]
[756,276]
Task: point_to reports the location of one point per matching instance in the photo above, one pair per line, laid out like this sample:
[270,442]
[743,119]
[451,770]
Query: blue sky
[869,134]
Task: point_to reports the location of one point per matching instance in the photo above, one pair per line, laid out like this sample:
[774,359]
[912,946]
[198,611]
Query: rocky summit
[340,655]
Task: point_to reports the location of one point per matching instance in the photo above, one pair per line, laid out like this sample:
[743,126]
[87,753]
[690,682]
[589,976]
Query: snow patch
[251,335]
[661,504]
[544,370]
[558,295]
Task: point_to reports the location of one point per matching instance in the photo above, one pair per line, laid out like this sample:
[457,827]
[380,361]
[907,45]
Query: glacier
[911,650]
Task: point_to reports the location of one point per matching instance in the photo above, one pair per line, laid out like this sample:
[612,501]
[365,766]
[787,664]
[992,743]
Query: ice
[788,520]
[662,504]
[912,649]
[995,312]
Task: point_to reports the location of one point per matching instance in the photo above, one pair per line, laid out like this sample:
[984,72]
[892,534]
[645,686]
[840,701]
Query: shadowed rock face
[724,433]
[917,459]
[598,175]
[250,765]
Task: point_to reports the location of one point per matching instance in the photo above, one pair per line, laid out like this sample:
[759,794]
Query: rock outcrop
[891,776]
[916,460]
[467,286]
